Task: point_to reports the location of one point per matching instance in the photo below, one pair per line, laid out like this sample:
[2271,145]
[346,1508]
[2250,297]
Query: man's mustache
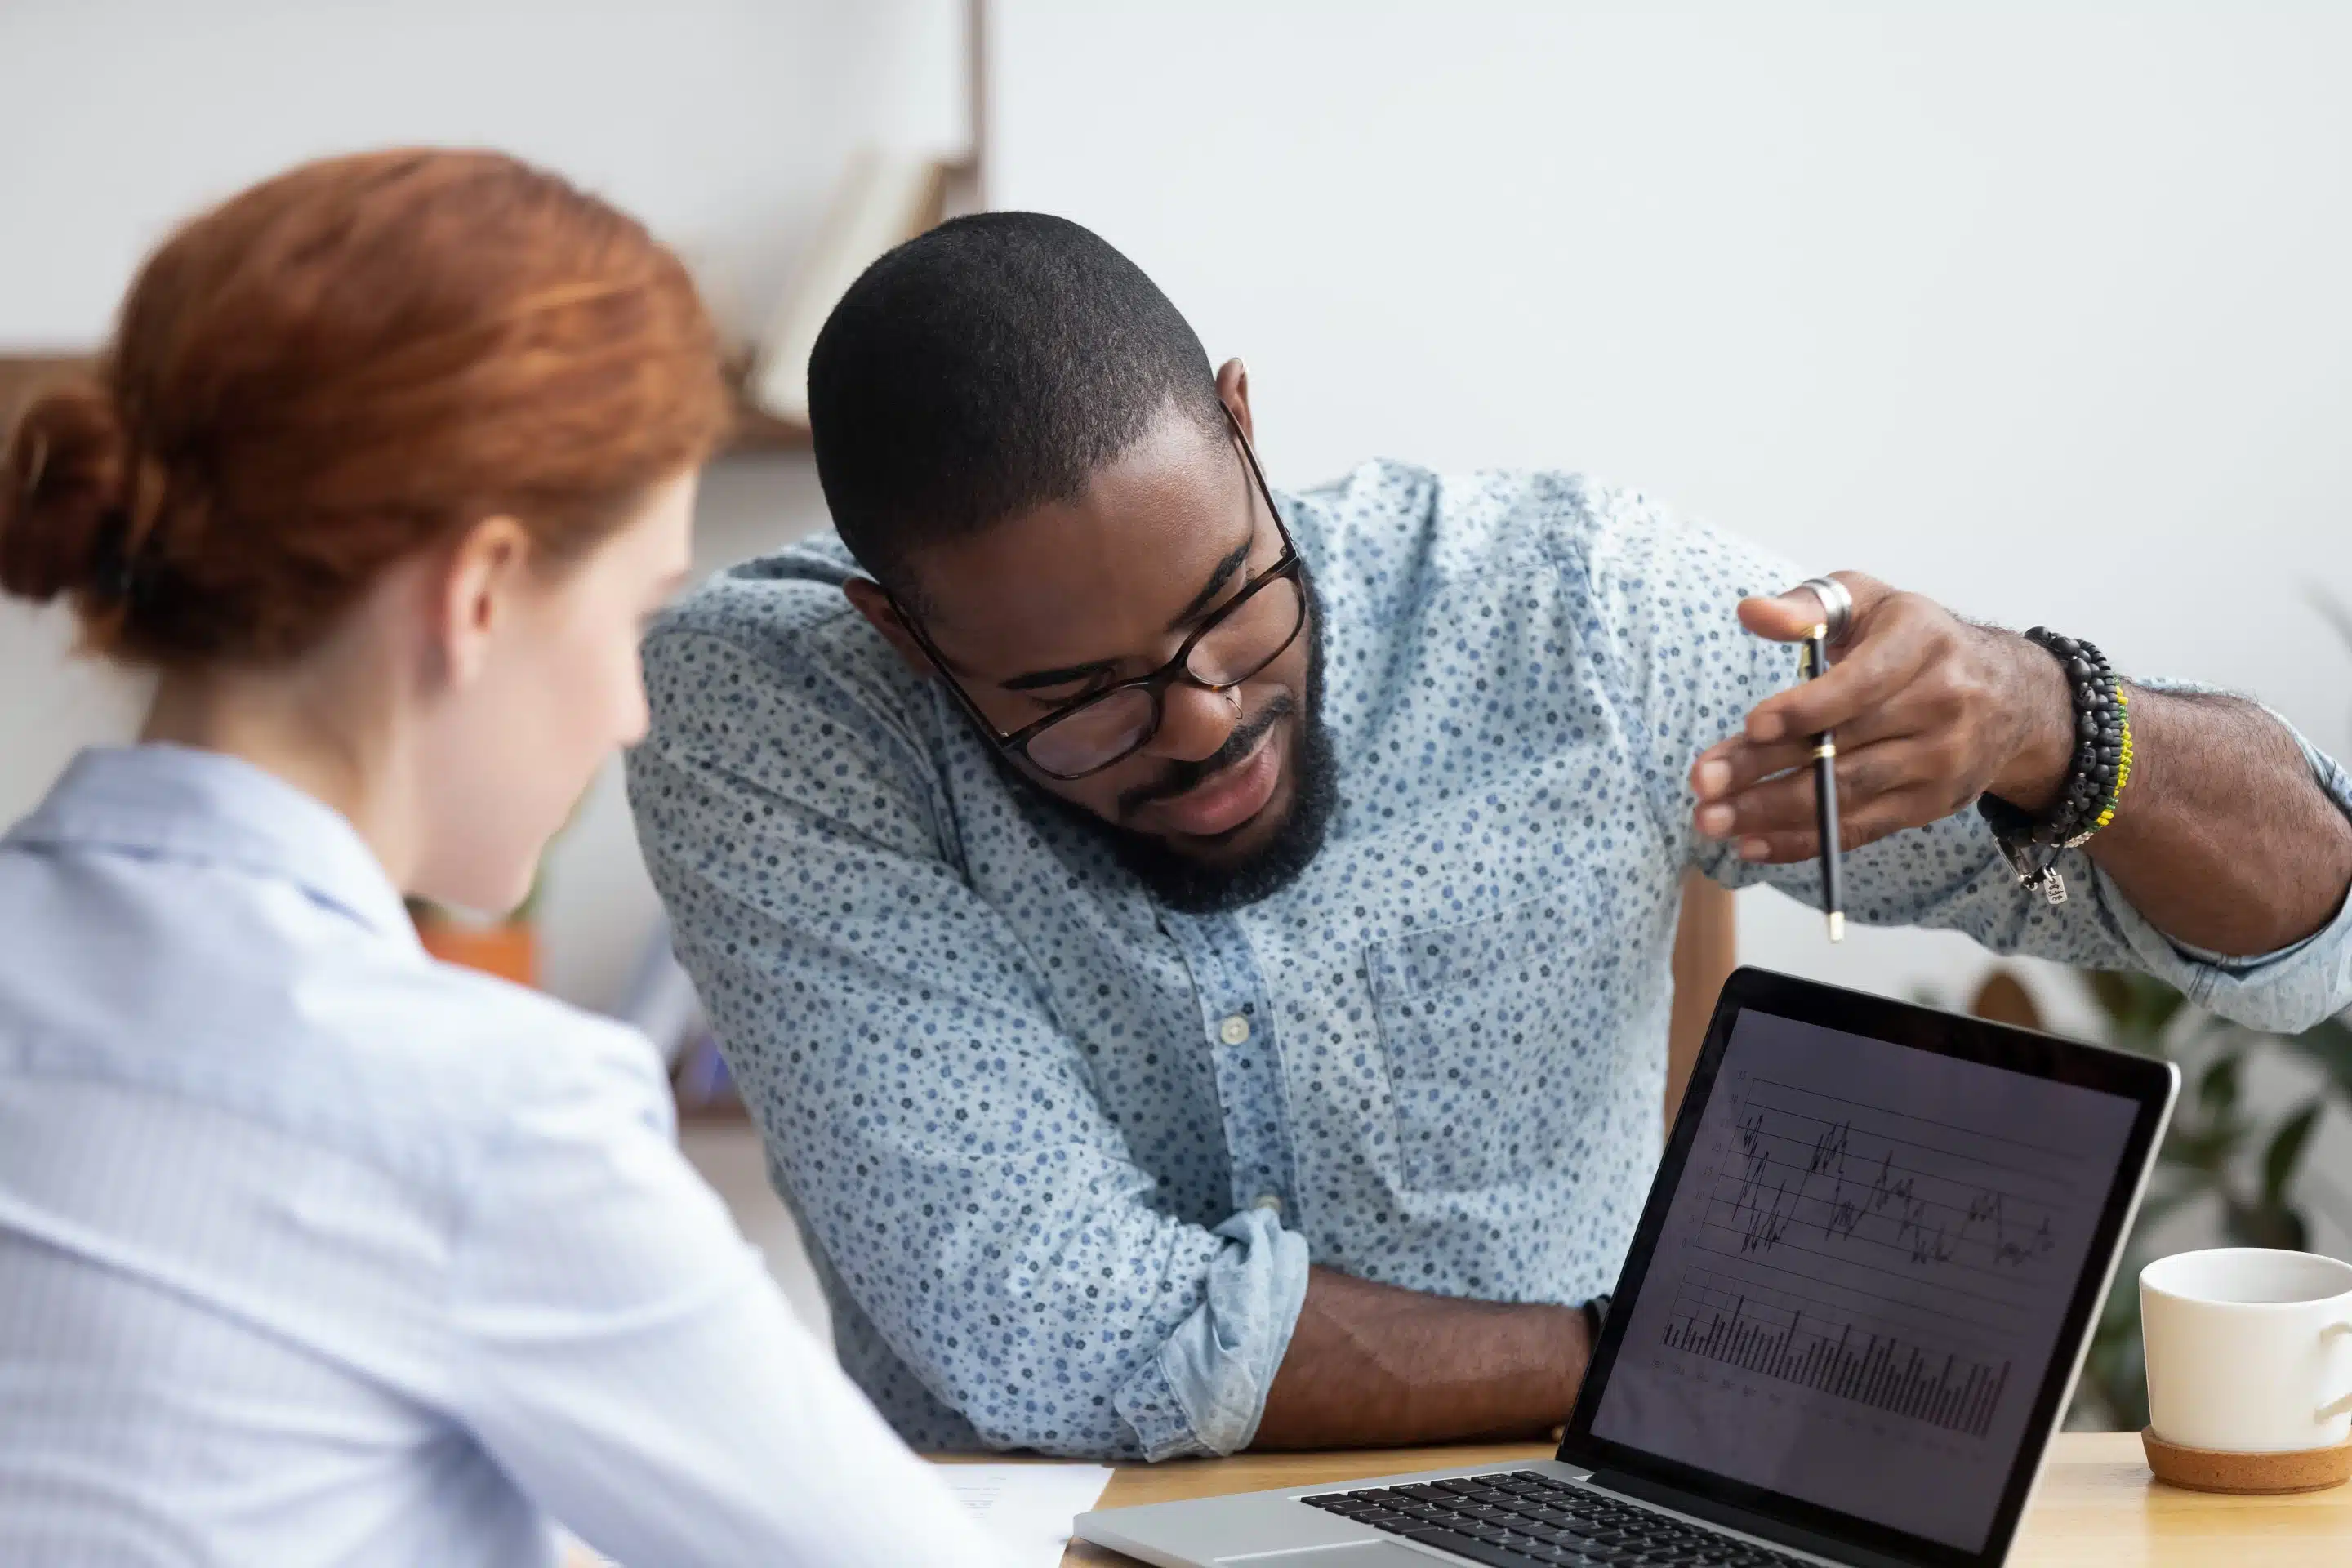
[1184,776]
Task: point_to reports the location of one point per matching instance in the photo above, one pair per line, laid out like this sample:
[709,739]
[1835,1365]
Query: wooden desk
[2097,1507]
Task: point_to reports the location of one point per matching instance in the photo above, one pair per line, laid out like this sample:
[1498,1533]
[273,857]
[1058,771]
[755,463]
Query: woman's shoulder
[477,1051]
[419,1070]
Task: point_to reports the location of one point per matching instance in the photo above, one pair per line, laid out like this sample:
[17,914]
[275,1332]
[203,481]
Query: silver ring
[1837,605]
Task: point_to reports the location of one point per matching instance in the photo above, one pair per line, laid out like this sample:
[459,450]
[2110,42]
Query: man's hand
[2223,840]
[1929,712]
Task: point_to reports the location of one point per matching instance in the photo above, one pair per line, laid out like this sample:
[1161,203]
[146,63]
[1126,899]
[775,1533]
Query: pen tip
[1837,926]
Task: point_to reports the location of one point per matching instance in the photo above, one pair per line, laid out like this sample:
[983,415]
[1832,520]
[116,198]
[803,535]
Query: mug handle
[2330,1411]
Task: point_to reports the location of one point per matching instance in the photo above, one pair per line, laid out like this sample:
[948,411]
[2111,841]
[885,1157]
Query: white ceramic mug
[2249,1350]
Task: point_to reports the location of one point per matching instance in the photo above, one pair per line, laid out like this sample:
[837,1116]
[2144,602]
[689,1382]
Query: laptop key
[1406,1523]
[1476,1551]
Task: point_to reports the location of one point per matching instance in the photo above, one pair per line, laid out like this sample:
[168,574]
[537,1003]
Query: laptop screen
[1864,1273]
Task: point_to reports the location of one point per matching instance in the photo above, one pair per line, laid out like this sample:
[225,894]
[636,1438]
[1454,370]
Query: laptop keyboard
[1527,1520]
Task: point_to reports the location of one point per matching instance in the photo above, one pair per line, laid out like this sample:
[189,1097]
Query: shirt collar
[178,802]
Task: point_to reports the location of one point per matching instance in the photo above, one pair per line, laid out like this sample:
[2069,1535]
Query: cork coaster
[2211,1470]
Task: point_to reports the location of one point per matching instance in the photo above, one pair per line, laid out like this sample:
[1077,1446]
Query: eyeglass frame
[1156,684]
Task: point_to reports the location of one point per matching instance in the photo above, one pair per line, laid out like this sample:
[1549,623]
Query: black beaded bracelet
[2094,779]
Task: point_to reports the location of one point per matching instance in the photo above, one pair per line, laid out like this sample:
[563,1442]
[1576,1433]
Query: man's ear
[473,593]
[875,604]
[1233,389]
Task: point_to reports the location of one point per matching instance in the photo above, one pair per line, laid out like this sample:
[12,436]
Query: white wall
[2039,309]
[722,122]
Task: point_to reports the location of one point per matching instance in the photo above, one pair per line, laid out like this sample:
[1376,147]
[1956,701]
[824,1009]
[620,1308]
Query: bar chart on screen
[1797,1340]
[1871,1255]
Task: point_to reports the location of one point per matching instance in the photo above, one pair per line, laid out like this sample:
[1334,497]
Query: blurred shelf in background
[23,375]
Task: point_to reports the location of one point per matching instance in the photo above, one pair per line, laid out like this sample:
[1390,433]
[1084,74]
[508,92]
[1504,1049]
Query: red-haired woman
[312,1249]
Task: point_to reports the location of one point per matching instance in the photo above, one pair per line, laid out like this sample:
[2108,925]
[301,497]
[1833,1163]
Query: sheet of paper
[1028,1507]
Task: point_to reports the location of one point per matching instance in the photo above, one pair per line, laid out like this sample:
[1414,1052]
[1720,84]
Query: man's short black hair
[992,365]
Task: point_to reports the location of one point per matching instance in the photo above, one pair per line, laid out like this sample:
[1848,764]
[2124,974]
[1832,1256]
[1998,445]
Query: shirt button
[1269,1203]
[1233,1030]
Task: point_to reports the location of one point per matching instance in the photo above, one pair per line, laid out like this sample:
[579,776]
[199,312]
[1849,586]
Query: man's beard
[1195,887]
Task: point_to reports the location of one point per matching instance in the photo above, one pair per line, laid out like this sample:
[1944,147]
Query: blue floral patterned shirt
[1062,1156]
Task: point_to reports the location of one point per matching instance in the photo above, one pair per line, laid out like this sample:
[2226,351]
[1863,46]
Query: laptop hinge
[1740,1519]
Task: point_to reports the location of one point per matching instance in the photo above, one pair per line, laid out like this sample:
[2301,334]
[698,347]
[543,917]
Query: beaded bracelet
[2096,778]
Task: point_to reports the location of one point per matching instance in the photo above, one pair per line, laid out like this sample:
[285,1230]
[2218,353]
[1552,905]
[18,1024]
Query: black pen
[1825,812]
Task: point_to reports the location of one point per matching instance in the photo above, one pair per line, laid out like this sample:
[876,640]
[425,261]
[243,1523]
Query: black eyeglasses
[1250,632]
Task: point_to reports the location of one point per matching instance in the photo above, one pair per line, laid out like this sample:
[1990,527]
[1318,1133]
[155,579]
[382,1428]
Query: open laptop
[1850,1319]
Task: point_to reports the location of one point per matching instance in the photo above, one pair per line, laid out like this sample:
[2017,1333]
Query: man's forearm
[2233,846]
[2223,840]
[1373,1365]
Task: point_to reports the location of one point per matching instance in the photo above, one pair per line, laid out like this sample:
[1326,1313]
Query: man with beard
[1199,955]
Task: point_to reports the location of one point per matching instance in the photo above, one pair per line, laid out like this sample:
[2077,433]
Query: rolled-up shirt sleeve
[1206,1389]
[1666,593]
[935,1128]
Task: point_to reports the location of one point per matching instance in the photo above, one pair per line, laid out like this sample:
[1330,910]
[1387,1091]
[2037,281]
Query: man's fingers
[1872,671]
[1788,617]
[1866,825]
[1785,803]
[1782,618]
[1728,767]
[1908,768]
[1733,764]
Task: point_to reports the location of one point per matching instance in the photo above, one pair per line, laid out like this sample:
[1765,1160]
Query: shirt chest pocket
[1494,1067]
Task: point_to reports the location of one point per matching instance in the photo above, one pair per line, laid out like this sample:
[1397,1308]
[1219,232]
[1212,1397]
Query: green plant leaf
[2205,1151]
[2163,1006]
[2265,1224]
[2288,1144]
[2112,990]
[2329,1047]
[2217,1089]
[2207,1140]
